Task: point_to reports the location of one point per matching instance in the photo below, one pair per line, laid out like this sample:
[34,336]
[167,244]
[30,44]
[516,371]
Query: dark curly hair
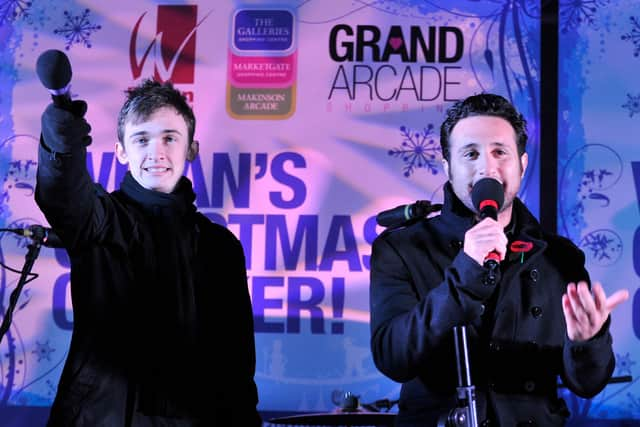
[148,97]
[484,104]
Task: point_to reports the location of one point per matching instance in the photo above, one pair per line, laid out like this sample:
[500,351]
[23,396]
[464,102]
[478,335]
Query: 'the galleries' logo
[262,65]
[172,49]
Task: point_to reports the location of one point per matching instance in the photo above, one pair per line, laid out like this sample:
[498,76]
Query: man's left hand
[585,313]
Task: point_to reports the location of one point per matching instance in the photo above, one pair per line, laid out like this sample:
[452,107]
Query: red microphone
[487,196]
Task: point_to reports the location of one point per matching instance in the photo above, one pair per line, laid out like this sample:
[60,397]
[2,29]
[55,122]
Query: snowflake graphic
[43,351]
[77,29]
[417,150]
[634,35]
[624,364]
[590,187]
[633,104]
[594,180]
[21,175]
[10,10]
[605,246]
[575,12]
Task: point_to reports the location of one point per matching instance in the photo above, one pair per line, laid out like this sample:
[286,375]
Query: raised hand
[584,312]
[62,130]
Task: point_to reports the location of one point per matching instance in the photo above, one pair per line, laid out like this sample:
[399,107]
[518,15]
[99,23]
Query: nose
[156,150]
[488,166]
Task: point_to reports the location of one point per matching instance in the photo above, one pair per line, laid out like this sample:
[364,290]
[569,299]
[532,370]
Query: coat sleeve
[407,329]
[587,365]
[68,198]
[240,341]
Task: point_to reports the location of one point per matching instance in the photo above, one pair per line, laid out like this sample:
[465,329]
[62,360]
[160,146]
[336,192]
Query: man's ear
[445,166]
[193,149]
[524,162]
[121,154]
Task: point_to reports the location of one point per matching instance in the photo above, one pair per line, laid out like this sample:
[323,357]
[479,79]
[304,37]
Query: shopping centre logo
[173,48]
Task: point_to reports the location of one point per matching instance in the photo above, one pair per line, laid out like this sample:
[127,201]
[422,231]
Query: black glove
[63,130]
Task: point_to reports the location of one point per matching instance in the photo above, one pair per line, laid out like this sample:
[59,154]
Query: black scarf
[166,371]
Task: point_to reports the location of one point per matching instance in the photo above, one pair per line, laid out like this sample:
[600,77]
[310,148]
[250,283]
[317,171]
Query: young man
[536,322]
[163,326]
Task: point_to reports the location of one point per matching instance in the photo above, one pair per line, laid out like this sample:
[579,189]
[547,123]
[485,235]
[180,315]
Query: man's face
[156,149]
[484,146]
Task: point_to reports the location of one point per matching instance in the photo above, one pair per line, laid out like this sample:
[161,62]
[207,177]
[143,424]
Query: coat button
[488,280]
[536,311]
[486,423]
[529,386]
[455,244]
[534,275]
[481,309]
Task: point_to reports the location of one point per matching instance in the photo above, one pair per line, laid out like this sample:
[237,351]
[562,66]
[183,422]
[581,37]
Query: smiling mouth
[156,169]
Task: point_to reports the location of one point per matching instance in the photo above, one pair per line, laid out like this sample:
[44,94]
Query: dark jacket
[423,284]
[163,326]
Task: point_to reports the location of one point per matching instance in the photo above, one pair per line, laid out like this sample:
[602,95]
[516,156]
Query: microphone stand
[30,258]
[465,413]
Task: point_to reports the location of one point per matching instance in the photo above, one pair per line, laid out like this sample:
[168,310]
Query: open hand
[585,313]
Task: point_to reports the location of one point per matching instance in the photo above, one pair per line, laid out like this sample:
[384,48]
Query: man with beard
[532,319]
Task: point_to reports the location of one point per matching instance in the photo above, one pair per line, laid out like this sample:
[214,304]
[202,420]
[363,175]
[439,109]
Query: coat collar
[457,219]
[178,202]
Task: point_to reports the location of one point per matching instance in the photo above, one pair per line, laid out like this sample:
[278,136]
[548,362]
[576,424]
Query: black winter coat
[163,326]
[423,284]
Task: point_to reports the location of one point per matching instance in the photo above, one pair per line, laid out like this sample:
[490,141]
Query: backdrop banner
[599,173]
[312,117]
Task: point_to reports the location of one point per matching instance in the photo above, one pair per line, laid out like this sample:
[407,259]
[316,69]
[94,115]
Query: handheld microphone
[54,71]
[487,196]
[43,235]
[400,214]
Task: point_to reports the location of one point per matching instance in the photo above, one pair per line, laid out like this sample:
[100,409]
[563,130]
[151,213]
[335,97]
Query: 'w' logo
[176,42]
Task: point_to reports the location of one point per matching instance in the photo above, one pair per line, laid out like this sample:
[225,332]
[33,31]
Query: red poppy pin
[519,246]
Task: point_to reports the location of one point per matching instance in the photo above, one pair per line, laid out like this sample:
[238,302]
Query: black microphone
[54,71]
[487,196]
[403,213]
[43,235]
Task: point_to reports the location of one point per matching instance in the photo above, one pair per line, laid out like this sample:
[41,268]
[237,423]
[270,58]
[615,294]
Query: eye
[470,155]
[170,138]
[141,140]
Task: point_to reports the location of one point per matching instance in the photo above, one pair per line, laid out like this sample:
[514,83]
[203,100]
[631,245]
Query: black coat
[423,284]
[163,326]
